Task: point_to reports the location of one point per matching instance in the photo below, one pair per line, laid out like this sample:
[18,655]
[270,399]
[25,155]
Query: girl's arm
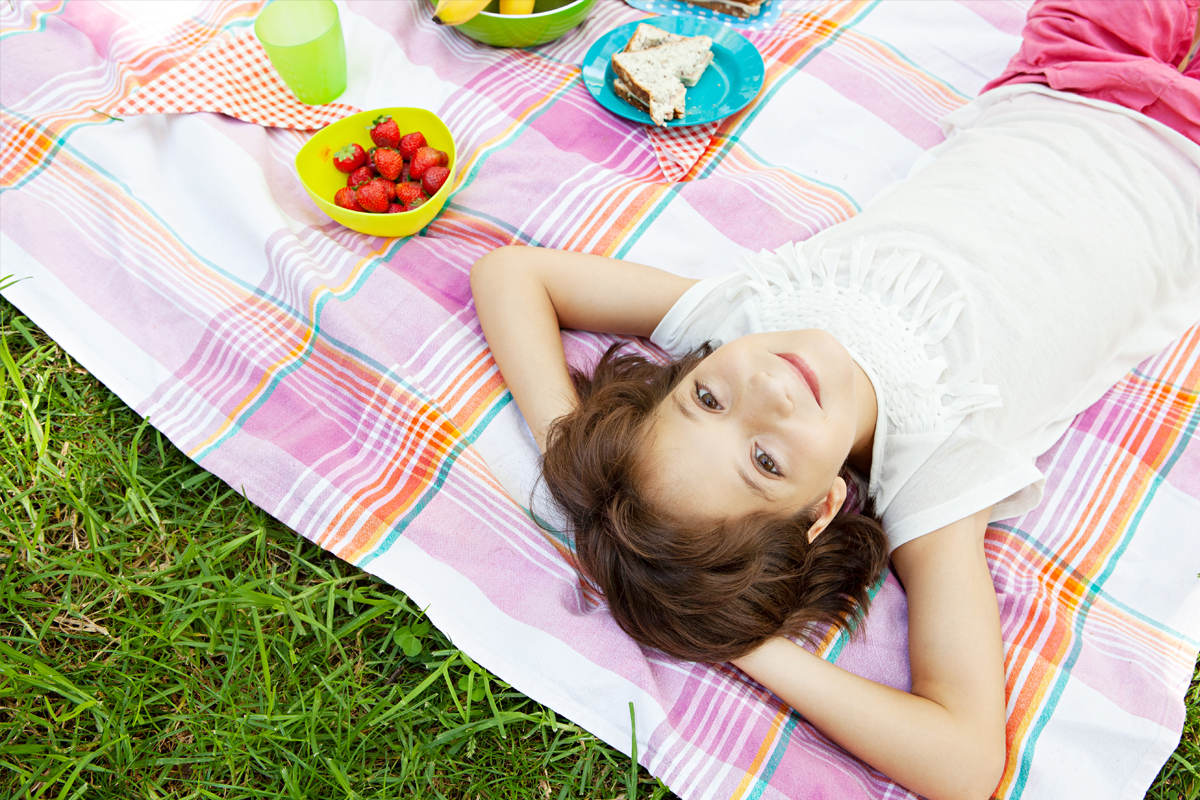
[945,738]
[524,295]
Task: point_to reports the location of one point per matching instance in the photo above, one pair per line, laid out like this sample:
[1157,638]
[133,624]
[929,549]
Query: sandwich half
[655,78]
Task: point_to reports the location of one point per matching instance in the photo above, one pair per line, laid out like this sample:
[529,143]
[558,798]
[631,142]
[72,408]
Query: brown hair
[701,594]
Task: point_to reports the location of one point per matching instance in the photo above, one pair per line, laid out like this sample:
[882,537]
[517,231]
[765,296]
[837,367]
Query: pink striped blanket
[342,381]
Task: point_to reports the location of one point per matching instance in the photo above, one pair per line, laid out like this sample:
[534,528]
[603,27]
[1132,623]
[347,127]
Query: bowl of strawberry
[386,172]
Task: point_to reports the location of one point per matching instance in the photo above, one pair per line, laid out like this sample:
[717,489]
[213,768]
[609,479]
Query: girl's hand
[524,295]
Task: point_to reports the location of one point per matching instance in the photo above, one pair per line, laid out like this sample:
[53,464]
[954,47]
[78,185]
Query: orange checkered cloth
[232,76]
[678,149]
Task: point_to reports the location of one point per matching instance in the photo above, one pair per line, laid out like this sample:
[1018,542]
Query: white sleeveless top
[1025,265]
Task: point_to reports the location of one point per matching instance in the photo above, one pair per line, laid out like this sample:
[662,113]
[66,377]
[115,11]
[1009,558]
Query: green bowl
[550,19]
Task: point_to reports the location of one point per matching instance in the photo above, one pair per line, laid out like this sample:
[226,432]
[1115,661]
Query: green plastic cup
[303,39]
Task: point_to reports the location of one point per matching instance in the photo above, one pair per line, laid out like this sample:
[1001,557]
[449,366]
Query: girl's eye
[707,398]
[765,461]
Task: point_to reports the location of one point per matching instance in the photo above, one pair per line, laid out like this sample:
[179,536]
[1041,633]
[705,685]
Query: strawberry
[395,208]
[360,175]
[433,179]
[371,157]
[345,199]
[389,163]
[416,203]
[373,196]
[350,157]
[385,132]
[407,192]
[410,143]
[425,158]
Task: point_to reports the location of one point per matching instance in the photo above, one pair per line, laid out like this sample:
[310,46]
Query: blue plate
[731,81]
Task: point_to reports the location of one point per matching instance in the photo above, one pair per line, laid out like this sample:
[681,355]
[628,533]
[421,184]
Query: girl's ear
[828,508]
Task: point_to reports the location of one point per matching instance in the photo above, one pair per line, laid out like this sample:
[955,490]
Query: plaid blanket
[342,382]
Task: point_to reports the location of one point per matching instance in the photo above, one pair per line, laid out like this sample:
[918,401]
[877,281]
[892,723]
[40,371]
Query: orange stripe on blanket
[34,19]
[1056,619]
[307,339]
[429,437]
[1118,506]
[464,226]
[602,233]
[1147,436]
[466,164]
[396,490]
[32,141]
[605,227]
[139,226]
[786,47]
[829,201]
[926,84]
[475,395]
[760,756]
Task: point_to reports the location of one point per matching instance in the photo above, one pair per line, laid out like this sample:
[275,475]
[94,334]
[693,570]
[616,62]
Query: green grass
[160,637]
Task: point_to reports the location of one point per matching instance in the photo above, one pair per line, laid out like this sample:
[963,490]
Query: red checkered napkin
[232,76]
[678,149]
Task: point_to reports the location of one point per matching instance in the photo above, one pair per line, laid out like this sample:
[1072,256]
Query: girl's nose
[768,396]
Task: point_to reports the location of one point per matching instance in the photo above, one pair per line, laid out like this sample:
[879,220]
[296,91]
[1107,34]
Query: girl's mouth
[806,374]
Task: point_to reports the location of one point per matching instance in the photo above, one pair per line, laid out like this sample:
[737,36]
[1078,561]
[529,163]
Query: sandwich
[736,8]
[655,69]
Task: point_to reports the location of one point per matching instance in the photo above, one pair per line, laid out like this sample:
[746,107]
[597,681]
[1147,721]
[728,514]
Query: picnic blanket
[342,383]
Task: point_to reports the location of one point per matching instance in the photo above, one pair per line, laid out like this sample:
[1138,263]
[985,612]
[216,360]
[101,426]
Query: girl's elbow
[969,770]
[991,770]
[486,263]
[491,265]
[979,772]
[502,260]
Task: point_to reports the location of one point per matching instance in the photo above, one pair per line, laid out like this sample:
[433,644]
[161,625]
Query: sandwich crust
[646,35]
[622,90]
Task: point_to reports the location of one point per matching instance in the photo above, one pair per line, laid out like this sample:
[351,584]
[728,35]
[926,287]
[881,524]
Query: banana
[516,6]
[456,12]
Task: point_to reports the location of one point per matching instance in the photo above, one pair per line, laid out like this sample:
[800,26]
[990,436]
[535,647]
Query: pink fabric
[1123,51]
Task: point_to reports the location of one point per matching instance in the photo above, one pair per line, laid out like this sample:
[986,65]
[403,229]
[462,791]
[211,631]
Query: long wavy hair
[706,593]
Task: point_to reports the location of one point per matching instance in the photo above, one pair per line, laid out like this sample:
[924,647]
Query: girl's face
[763,424]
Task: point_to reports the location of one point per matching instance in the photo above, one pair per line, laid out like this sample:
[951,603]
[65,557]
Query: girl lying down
[934,345]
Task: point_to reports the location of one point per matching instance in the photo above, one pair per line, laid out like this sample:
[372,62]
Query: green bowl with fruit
[420,170]
[549,20]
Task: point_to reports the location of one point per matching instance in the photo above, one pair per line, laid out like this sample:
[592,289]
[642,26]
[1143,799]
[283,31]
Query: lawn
[161,637]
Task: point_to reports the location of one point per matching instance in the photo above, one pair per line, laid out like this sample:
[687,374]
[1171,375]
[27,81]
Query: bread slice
[655,76]
[646,36]
[736,8]
[621,90]
[649,84]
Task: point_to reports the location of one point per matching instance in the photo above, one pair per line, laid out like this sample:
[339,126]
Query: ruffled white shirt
[1028,262]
